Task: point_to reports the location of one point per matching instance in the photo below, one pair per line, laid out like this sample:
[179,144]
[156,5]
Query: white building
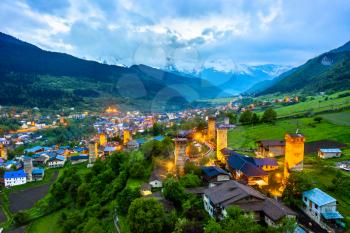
[329,153]
[15,178]
[321,207]
[57,161]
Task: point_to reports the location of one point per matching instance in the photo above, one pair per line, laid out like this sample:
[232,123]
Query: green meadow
[246,136]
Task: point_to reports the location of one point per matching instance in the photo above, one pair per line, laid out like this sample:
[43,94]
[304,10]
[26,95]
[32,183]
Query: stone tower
[180,155]
[3,152]
[28,168]
[93,151]
[103,139]
[126,136]
[294,153]
[221,142]
[211,128]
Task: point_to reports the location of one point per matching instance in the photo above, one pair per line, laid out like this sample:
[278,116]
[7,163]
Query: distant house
[321,207]
[146,189]
[329,153]
[38,174]
[108,150]
[158,175]
[13,178]
[232,193]
[214,175]
[132,145]
[41,160]
[57,161]
[79,159]
[34,150]
[271,148]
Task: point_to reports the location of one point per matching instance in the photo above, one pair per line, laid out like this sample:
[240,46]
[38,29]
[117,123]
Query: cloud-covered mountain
[230,77]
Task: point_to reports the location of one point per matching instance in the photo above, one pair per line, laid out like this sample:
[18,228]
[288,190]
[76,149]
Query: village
[253,183]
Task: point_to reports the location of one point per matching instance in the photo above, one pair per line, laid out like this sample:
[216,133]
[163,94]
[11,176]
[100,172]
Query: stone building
[93,151]
[211,128]
[103,139]
[3,151]
[180,155]
[221,142]
[28,168]
[126,136]
[294,153]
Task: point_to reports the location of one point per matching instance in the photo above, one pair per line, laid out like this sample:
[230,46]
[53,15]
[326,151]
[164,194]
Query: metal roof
[213,171]
[331,150]
[319,197]
[14,174]
[332,215]
[243,164]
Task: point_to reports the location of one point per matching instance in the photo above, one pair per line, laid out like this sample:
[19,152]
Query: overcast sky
[189,33]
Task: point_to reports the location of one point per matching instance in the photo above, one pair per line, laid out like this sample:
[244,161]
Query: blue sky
[189,33]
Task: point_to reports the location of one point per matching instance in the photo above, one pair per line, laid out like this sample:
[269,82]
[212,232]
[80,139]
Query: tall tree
[173,191]
[246,117]
[146,215]
[269,116]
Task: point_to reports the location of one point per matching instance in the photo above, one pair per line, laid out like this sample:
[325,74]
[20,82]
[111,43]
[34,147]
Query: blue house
[38,174]
[13,178]
[321,207]
[34,149]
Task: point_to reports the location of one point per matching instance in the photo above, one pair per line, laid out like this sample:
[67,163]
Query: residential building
[57,161]
[79,158]
[329,153]
[146,189]
[38,174]
[232,193]
[249,170]
[108,150]
[214,175]
[271,148]
[13,178]
[321,207]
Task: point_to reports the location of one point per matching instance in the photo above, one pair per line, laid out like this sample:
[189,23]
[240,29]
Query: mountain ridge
[329,71]
[31,71]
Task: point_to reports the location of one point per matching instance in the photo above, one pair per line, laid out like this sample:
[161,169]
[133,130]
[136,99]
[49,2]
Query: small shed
[329,153]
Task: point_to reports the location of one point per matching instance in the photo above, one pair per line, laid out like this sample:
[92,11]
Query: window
[316,206]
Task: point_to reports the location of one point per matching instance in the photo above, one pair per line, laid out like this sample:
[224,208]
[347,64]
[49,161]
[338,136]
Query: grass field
[46,224]
[316,105]
[245,136]
[339,118]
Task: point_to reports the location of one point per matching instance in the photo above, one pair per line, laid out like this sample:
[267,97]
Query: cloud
[189,33]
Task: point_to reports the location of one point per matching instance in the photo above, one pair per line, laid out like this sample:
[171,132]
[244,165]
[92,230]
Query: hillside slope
[31,76]
[327,72]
